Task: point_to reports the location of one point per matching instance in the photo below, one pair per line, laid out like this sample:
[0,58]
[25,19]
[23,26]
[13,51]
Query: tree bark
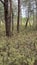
[18,16]
[7,18]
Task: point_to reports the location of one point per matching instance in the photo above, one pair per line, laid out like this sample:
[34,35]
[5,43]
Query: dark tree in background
[18,16]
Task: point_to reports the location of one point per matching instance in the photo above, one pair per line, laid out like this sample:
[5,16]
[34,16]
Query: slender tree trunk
[27,22]
[7,18]
[12,21]
[11,14]
[36,14]
[11,10]
[29,9]
[33,16]
[27,19]
[18,16]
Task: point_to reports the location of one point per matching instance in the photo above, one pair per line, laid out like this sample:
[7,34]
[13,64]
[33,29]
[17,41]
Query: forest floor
[23,46]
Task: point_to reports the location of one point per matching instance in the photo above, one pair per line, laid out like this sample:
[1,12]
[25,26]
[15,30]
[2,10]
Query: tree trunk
[36,14]
[18,16]
[12,21]
[11,14]
[29,9]
[27,19]
[27,22]
[7,18]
